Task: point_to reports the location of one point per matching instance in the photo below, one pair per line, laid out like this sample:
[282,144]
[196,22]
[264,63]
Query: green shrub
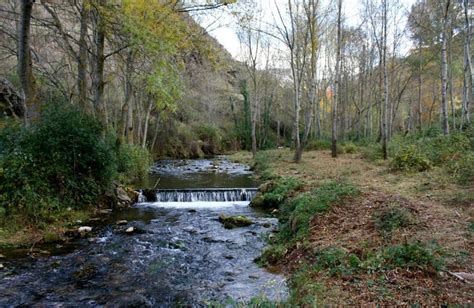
[349,148]
[62,160]
[133,162]
[336,261]
[414,255]
[280,190]
[392,218]
[299,211]
[317,145]
[272,255]
[211,137]
[372,152]
[410,158]
[462,169]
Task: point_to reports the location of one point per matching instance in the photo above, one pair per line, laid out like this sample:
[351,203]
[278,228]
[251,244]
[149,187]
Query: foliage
[63,160]
[133,162]
[349,148]
[392,218]
[272,255]
[317,145]
[337,261]
[211,137]
[429,147]
[301,209]
[412,255]
[279,190]
[409,158]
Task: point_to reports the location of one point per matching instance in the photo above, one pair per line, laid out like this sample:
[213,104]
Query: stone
[122,195]
[2,256]
[267,225]
[253,277]
[105,211]
[84,230]
[231,222]
[130,230]
[1,266]
[121,222]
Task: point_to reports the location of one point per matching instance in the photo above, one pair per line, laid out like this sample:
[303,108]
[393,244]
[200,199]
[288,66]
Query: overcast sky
[221,25]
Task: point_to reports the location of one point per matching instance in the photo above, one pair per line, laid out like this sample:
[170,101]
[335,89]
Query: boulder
[231,222]
[84,230]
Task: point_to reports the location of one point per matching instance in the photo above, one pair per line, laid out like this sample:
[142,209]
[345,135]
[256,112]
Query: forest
[354,117]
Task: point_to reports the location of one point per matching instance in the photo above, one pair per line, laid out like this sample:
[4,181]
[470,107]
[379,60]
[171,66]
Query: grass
[392,218]
[371,240]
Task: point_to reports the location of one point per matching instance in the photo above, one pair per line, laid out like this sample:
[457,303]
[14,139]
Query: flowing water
[179,254]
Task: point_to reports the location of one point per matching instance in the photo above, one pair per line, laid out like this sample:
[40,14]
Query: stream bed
[179,255]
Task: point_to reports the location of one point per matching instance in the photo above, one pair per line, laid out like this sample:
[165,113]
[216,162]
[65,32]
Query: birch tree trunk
[444,71]
[385,110]
[336,81]
[468,85]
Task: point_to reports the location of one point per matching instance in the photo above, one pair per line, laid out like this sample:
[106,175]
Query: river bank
[398,238]
[160,253]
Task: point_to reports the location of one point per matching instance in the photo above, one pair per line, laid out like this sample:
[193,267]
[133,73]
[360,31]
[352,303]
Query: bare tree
[336,80]
[25,70]
[444,69]
[468,80]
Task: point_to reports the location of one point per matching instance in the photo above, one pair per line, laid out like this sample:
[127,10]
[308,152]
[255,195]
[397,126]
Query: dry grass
[429,197]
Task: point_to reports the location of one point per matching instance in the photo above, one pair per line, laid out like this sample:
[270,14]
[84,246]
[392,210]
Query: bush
[410,159]
[317,145]
[349,148]
[279,191]
[414,255]
[272,255]
[372,152]
[133,162]
[337,261]
[300,210]
[211,137]
[63,160]
[391,219]
[462,169]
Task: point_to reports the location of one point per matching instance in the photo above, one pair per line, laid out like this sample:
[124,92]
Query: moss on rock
[231,222]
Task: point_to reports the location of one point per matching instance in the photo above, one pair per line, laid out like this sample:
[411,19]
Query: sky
[221,25]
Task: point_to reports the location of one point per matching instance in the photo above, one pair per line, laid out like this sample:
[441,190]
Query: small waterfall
[141,197]
[203,195]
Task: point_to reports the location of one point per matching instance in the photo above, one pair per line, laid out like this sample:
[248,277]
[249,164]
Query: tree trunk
[147,119]
[468,85]
[128,97]
[99,61]
[385,85]
[25,70]
[336,82]
[82,57]
[444,72]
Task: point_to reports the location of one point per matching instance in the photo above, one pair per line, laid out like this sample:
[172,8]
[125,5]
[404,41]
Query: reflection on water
[168,174]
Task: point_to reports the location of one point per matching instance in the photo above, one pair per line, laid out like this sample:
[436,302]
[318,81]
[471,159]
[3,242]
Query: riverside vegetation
[362,230]
[58,171]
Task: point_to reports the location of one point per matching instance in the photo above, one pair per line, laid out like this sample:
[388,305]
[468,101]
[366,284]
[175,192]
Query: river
[178,255]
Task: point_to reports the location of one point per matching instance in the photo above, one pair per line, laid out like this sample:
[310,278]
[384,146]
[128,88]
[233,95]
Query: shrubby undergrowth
[64,160]
[422,150]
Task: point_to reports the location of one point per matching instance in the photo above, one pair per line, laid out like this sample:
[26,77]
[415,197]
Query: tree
[468,76]
[25,70]
[444,69]
[336,80]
